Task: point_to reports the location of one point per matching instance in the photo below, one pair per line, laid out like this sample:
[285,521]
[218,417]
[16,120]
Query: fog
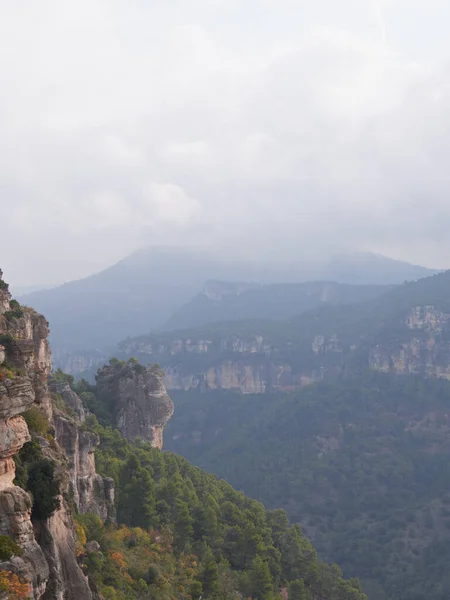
[259,128]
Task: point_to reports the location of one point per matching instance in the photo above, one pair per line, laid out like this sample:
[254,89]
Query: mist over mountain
[222,301]
[141,292]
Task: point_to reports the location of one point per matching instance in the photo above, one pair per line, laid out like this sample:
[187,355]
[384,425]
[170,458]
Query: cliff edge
[137,399]
[43,446]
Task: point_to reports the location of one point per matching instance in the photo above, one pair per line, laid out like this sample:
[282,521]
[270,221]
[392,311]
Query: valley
[327,400]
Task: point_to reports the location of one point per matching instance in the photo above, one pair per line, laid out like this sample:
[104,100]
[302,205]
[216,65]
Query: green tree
[209,576]
[261,580]
[297,590]
[183,530]
[44,488]
[136,505]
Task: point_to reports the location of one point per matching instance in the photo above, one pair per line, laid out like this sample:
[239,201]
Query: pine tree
[261,580]
[297,590]
[209,577]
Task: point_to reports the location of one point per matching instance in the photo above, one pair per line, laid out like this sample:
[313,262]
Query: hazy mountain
[22,290]
[223,301]
[406,330]
[141,292]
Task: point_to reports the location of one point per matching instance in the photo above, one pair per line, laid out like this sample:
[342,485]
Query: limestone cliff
[250,364]
[422,345]
[257,358]
[139,402]
[91,492]
[241,376]
[48,559]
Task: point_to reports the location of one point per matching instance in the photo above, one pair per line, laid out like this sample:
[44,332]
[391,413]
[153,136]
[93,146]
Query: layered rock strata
[48,560]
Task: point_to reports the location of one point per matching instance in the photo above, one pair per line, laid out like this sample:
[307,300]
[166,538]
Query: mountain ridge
[142,291]
[405,331]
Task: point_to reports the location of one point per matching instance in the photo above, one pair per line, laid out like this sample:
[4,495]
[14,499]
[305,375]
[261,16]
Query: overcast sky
[272,127]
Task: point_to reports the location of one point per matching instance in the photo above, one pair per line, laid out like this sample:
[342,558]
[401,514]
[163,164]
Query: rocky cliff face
[241,377]
[289,356]
[140,404]
[422,345]
[91,492]
[249,364]
[48,561]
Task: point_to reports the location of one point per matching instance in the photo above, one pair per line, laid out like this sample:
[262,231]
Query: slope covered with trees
[361,462]
[184,534]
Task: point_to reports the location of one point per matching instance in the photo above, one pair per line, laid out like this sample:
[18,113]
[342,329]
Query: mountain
[361,462]
[226,301]
[87,515]
[405,330]
[141,292]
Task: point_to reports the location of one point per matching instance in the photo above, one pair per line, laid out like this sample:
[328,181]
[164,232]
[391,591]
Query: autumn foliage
[12,587]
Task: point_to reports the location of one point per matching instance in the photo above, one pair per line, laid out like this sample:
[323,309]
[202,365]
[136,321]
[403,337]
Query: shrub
[13,586]
[3,285]
[9,548]
[59,375]
[15,312]
[44,488]
[30,453]
[6,340]
[36,421]
[15,305]
[6,373]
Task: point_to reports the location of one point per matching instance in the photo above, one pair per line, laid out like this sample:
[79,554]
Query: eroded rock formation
[139,402]
[48,559]
[91,492]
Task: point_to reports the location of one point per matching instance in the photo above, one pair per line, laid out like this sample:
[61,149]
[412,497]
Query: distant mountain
[141,292]
[404,331]
[22,290]
[223,301]
[363,268]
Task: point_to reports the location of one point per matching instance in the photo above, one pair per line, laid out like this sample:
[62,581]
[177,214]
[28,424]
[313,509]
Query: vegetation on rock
[37,475]
[12,587]
[8,548]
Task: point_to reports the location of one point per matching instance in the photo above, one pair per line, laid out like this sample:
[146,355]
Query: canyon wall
[47,560]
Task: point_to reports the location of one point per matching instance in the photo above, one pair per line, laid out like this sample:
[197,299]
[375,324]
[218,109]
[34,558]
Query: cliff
[137,399]
[46,555]
[406,331]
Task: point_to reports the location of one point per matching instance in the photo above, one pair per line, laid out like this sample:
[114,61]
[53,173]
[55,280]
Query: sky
[261,128]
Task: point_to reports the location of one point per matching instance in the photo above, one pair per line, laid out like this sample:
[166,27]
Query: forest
[360,462]
[180,532]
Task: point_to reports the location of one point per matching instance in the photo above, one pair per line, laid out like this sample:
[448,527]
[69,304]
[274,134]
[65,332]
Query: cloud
[237,123]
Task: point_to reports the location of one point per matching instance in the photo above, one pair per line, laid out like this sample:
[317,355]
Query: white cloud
[303,122]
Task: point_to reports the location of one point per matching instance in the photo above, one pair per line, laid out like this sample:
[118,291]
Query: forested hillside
[362,463]
[185,534]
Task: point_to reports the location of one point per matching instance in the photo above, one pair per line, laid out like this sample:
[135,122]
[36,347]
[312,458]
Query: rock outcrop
[91,492]
[240,376]
[285,357]
[422,345]
[139,402]
[48,560]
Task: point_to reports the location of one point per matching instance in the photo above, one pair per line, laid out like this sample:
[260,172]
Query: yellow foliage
[81,538]
[14,586]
